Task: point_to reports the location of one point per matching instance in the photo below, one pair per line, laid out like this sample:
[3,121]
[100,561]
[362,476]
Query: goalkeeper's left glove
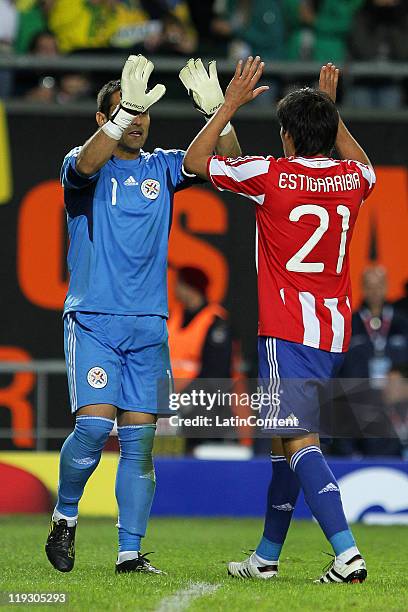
[204,88]
[135,97]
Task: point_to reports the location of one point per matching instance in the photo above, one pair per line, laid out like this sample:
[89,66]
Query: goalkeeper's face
[134,137]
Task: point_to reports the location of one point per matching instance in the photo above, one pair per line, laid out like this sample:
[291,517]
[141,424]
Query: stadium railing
[104,63]
[43,369]
[169,67]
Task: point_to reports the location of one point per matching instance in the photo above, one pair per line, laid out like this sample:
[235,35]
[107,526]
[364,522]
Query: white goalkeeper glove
[135,98]
[204,88]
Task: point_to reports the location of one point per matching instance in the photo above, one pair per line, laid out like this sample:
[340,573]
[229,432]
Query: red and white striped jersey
[305,215]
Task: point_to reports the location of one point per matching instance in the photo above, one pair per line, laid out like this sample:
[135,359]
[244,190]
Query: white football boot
[252,568]
[353,571]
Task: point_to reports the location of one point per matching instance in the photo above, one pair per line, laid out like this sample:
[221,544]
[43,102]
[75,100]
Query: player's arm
[135,99]
[347,146]
[206,93]
[95,153]
[228,145]
[241,90]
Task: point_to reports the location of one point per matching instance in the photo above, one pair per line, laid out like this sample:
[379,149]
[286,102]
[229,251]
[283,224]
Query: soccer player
[306,208]
[119,203]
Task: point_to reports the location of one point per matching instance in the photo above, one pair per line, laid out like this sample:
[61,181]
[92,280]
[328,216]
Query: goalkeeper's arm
[206,93]
[134,100]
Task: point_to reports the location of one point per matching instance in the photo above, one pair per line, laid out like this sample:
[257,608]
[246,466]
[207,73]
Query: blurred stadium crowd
[278,30]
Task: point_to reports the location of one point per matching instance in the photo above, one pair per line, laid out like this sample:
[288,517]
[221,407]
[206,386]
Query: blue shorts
[296,380]
[116,359]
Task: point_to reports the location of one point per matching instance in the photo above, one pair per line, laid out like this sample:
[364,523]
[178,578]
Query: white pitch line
[180,600]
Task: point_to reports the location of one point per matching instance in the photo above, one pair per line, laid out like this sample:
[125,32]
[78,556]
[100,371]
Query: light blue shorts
[121,360]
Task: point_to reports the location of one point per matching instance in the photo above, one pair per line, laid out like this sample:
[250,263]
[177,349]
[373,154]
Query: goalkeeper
[118,200]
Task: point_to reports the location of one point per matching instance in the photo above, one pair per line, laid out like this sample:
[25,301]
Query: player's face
[374,287]
[134,137]
[186,294]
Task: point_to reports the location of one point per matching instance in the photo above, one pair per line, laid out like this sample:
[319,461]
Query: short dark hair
[311,118]
[103,99]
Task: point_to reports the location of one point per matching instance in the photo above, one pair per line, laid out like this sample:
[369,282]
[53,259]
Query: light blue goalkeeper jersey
[119,222]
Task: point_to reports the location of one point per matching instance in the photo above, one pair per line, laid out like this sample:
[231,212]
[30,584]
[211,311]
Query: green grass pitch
[195,551]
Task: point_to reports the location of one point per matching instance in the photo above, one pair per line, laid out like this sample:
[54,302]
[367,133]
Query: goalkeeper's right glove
[204,88]
[135,98]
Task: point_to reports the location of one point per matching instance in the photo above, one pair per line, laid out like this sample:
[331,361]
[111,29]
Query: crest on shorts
[150,188]
[97,377]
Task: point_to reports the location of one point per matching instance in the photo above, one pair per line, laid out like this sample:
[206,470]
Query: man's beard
[128,149]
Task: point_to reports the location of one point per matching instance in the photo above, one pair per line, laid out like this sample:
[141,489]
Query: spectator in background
[379,343]
[8,32]
[380,33]
[199,332]
[35,85]
[201,347]
[158,26]
[319,29]
[44,43]
[82,24]
[256,27]
[212,28]
[32,21]
[138,25]
[52,87]
[73,87]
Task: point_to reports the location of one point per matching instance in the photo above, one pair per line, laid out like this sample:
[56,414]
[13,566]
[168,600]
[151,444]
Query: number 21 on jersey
[296,263]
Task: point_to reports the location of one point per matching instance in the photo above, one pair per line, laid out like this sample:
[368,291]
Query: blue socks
[282,495]
[80,455]
[322,495]
[135,486]
[135,480]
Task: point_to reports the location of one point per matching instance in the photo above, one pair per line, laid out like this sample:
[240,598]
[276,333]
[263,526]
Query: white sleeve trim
[368,173]
[241,171]
[187,174]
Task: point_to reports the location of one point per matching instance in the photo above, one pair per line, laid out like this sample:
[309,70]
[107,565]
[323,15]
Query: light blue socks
[80,455]
[135,486]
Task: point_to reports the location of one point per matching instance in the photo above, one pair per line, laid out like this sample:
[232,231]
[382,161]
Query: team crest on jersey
[97,378]
[150,188]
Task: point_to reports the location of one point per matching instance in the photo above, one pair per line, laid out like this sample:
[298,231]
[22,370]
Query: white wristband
[226,130]
[112,130]
[121,119]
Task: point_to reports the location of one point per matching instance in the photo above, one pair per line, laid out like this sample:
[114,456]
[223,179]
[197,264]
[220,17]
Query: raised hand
[242,88]
[202,86]
[329,78]
[135,95]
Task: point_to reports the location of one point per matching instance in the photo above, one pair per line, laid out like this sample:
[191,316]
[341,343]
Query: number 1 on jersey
[296,263]
[114,190]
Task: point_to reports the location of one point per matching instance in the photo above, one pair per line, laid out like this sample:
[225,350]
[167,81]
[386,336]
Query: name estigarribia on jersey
[348,182]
